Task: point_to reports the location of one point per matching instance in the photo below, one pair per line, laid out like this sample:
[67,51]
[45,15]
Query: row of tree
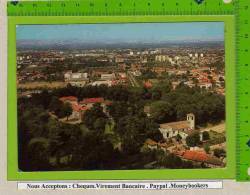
[166,104]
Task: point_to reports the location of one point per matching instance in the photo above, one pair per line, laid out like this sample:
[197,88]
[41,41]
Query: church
[183,128]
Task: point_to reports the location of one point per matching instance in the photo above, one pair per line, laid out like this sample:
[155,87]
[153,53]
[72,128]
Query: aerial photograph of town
[121,96]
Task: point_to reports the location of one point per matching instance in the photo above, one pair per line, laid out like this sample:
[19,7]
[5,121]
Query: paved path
[132,80]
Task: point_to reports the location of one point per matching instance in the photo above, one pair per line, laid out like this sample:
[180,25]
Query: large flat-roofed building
[108,76]
[77,79]
[77,75]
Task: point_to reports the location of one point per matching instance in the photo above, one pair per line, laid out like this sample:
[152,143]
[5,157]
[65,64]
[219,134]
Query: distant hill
[76,45]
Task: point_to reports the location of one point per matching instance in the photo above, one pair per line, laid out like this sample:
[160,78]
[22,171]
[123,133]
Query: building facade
[181,128]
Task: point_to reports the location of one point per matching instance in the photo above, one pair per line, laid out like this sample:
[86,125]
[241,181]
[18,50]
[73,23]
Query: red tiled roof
[78,108]
[92,100]
[114,82]
[148,84]
[69,98]
[194,155]
[200,157]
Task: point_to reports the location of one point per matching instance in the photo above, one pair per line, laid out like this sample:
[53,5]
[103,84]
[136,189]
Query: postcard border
[155,174]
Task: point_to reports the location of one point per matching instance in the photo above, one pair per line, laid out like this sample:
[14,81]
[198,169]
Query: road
[132,79]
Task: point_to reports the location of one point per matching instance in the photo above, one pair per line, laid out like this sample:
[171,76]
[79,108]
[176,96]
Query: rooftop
[151,142]
[200,157]
[78,108]
[68,98]
[148,84]
[92,100]
[176,125]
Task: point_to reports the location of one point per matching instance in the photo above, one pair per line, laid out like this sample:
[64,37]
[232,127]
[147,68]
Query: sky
[115,33]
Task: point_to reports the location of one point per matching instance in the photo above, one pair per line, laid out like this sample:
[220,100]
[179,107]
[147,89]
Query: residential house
[77,110]
[200,157]
[206,85]
[151,144]
[89,102]
[69,99]
[148,84]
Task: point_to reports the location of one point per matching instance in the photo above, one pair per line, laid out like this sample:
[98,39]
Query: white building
[161,58]
[98,83]
[79,75]
[136,73]
[76,79]
[108,76]
[183,128]
[72,76]
[205,85]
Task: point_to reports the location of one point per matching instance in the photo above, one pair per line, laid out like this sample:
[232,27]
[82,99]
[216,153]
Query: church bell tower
[191,119]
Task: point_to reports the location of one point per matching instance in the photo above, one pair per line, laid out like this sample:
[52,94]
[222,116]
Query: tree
[207,148]
[156,94]
[38,154]
[155,135]
[193,139]
[95,119]
[171,161]
[99,124]
[55,105]
[43,99]
[148,74]
[59,108]
[33,120]
[178,137]
[219,152]
[205,136]
[163,86]
[208,107]
[66,110]
[118,109]
[162,111]
[132,132]
[93,152]
[195,80]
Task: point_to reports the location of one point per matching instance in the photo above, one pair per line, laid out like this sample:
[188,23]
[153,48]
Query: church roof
[176,125]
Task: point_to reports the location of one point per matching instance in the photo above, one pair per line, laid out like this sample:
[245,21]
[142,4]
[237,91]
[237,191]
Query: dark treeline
[166,104]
